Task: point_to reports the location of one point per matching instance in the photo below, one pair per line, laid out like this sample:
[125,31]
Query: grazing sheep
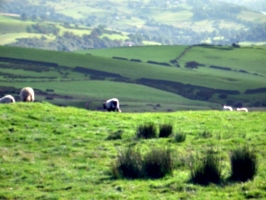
[242,109]
[27,94]
[7,99]
[111,105]
[227,108]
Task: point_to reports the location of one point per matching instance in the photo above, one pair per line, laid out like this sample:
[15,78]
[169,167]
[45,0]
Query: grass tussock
[180,137]
[165,130]
[155,164]
[146,131]
[206,170]
[244,164]
[206,134]
[158,163]
[128,165]
[115,135]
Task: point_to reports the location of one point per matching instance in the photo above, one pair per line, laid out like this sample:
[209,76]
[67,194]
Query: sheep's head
[104,105]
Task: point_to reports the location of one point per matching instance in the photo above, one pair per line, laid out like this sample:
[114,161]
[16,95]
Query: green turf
[50,152]
[163,53]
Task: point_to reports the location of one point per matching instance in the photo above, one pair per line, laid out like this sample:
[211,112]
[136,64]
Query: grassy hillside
[230,68]
[140,76]
[140,22]
[157,53]
[50,152]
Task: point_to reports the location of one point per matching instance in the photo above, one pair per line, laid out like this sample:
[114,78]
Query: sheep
[7,99]
[227,108]
[242,109]
[112,105]
[27,94]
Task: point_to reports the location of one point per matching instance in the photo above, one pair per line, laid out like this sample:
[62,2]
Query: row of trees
[68,41]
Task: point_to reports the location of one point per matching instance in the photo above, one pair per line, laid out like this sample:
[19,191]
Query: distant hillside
[150,78]
[258,5]
[74,25]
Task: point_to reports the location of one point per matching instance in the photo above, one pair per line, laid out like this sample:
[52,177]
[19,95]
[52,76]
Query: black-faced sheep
[7,99]
[112,105]
[27,94]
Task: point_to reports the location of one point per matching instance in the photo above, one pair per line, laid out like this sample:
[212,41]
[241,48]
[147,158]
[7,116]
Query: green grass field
[137,95]
[12,25]
[50,152]
[163,53]
[138,98]
[250,59]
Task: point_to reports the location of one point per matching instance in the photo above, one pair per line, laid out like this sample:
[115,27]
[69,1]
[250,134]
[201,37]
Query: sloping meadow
[50,152]
[202,75]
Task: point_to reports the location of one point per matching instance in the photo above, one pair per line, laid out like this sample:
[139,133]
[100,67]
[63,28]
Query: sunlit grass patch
[65,151]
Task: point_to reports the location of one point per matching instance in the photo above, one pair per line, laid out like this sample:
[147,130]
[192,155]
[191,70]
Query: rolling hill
[75,25]
[157,78]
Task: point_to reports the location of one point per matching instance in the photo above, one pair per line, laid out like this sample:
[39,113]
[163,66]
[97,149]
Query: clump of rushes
[165,130]
[206,134]
[130,164]
[157,163]
[207,170]
[146,131]
[244,164]
[115,135]
[180,137]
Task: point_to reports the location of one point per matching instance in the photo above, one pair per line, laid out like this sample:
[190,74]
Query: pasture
[12,25]
[50,152]
[163,53]
[145,76]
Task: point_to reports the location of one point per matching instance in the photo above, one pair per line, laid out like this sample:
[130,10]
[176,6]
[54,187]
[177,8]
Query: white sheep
[227,108]
[112,105]
[242,109]
[7,99]
[27,94]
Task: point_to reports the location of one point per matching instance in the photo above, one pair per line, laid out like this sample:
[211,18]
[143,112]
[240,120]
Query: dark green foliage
[192,65]
[115,135]
[157,163]
[128,165]
[147,131]
[165,130]
[244,164]
[206,134]
[180,137]
[207,170]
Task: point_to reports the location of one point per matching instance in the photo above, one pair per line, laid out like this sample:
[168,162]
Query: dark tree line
[68,41]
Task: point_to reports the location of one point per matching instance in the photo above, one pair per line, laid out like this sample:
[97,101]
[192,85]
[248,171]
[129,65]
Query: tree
[24,16]
[192,65]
